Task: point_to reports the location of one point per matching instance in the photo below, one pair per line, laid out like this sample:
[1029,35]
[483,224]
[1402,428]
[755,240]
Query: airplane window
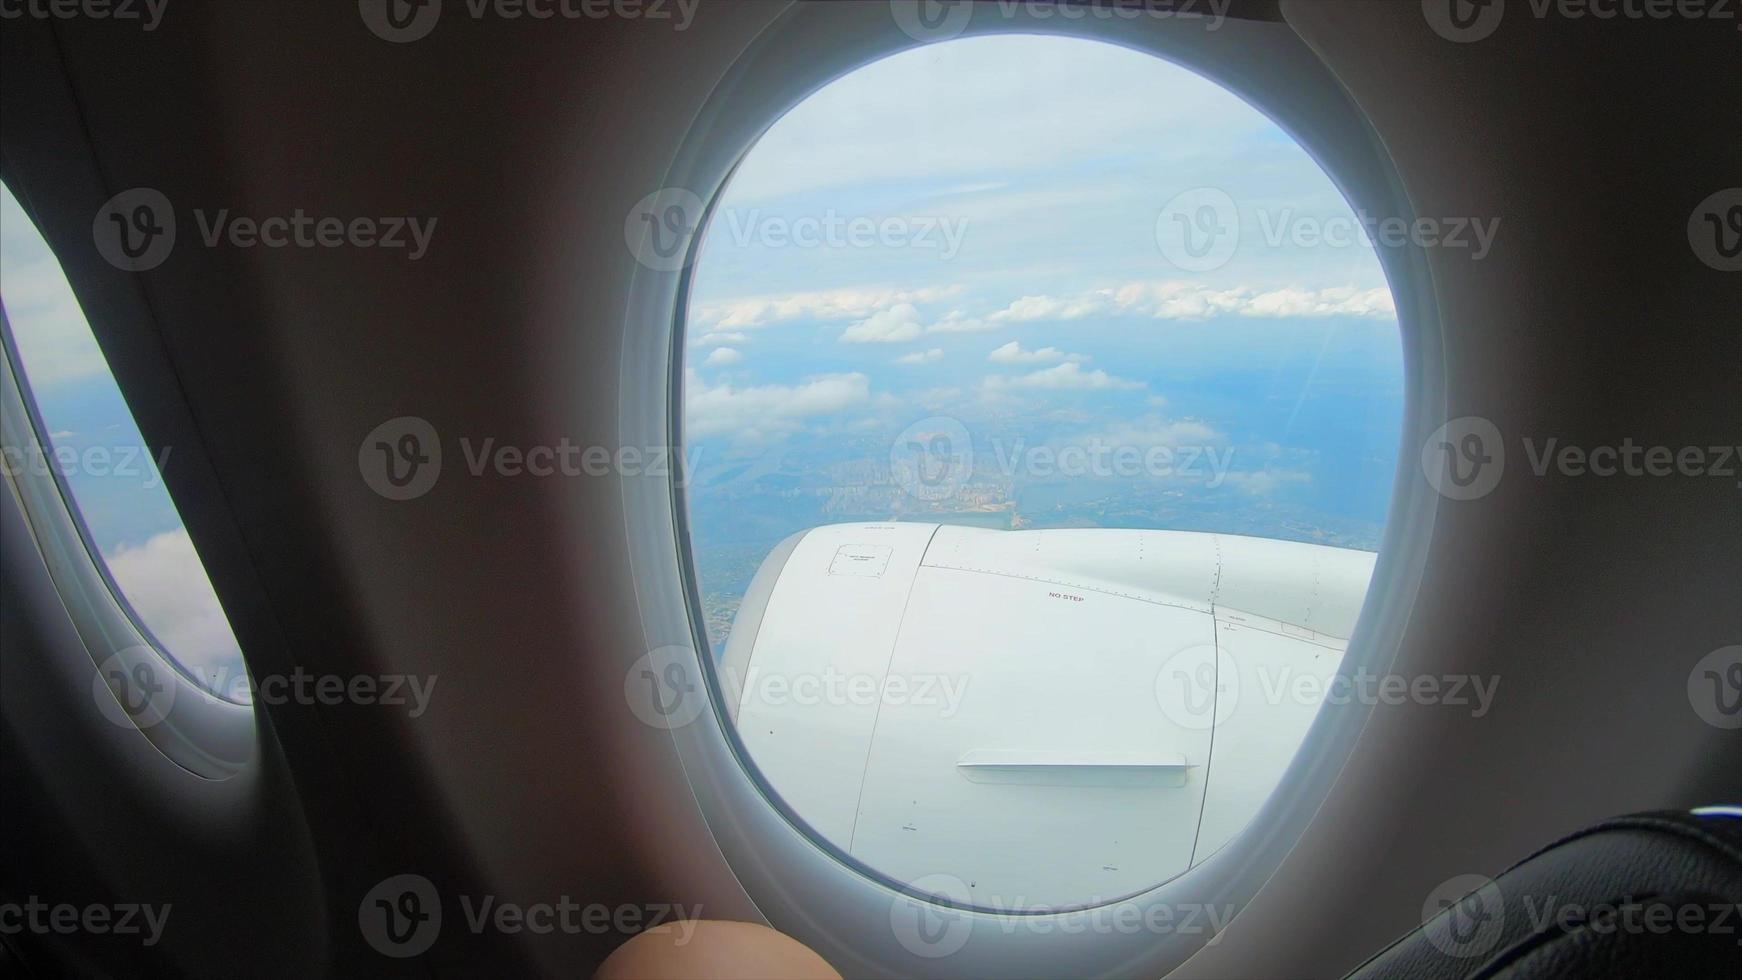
[1041,403]
[111,480]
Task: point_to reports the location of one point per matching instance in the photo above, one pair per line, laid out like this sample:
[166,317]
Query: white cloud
[722,356]
[1069,375]
[852,303]
[934,397]
[761,410]
[1152,430]
[54,341]
[1012,353]
[898,323]
[1262,483]
[921,356]
[903,322]
[1183,300]
[956,321]
[729,337]
[1030,308]
[167,586]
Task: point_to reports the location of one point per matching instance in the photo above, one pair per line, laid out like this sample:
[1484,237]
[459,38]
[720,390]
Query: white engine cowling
[1054,717]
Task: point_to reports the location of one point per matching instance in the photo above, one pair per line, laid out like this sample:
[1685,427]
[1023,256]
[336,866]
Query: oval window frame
[200,731]
[785,867]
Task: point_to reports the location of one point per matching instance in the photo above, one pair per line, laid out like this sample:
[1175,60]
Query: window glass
[112,481]
[1041,402]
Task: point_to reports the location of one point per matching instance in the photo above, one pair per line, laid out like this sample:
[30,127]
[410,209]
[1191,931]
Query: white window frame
[807,887]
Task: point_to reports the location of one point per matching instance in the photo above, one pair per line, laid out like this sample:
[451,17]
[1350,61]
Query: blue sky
[1026,286]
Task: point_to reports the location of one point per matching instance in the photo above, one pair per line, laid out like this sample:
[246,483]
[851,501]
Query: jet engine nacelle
[1053,717]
